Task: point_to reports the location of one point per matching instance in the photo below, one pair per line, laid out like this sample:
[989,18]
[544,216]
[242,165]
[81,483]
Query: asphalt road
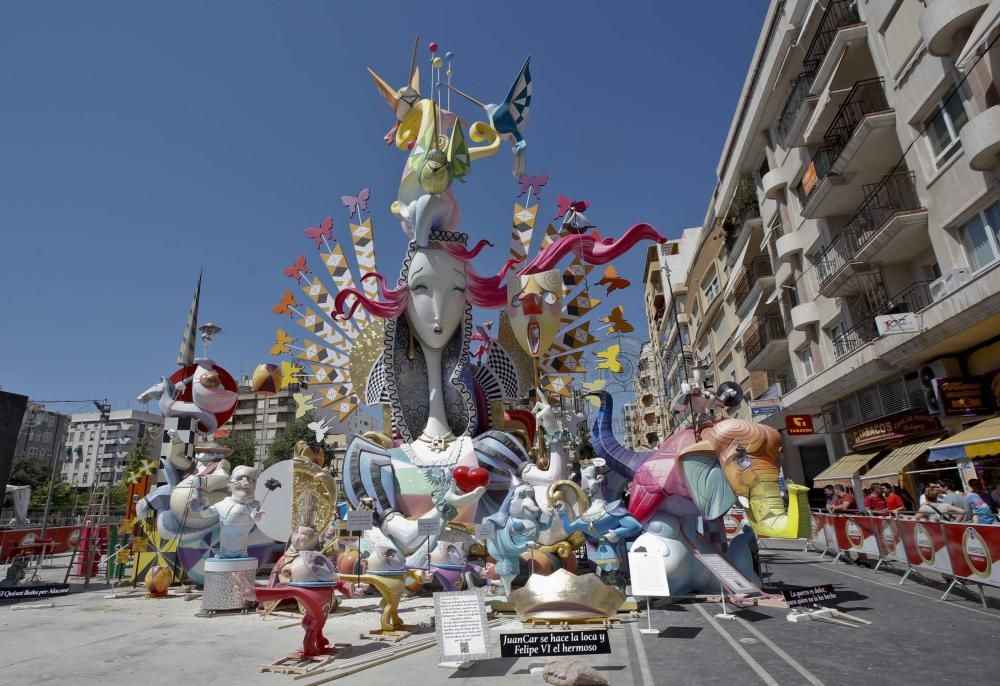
[914,638]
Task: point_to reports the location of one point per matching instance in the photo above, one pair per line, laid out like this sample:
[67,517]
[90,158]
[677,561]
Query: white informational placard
[904,322]
[727,574]
[359,520]
[649,575]
[428,527]
[485,530]
[462,629]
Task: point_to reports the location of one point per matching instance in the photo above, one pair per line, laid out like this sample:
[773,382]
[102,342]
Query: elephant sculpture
[700,475]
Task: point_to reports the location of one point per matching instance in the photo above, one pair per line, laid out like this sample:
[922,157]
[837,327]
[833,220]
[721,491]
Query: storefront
[975,452]
[892,449]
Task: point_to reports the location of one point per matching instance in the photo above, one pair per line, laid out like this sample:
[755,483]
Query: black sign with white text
[808,596]
[532,644]
[15,594]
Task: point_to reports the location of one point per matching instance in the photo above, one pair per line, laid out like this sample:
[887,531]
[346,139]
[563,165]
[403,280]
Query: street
[88,639]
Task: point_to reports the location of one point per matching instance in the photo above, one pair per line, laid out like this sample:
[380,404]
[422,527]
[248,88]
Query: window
[685,337]
[980,237]
[90,450]
[943,126]
[806,360]
[710,286]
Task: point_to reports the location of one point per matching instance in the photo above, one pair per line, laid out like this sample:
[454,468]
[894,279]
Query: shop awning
[892,464]
[981,440]
[846,467]
[981,34]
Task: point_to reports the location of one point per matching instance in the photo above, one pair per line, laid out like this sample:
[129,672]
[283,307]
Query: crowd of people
[941,501]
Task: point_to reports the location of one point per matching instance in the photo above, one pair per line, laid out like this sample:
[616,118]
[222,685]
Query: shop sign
[799,424]
[963,396]
[904,322]
[764,407]
[892,429]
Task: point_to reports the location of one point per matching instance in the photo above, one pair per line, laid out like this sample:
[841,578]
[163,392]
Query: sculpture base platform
[228,581]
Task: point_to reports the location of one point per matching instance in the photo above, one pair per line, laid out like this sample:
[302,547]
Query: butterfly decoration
[289,374]
[303,404]
[610,357]
[286,304]
[357,203]
[612,280]
[617,321]
[135,477]
[320,428]
[533,184]
[318,233]
[593,387]
[282,340]
[297,270]
[564,205]
[148,468]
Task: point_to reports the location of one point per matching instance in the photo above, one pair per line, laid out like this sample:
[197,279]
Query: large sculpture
[699,472]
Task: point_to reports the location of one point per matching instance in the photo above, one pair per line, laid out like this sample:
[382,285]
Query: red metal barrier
[64,539]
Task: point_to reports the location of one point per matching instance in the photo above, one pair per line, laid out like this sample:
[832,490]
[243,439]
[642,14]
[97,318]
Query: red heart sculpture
[468,480]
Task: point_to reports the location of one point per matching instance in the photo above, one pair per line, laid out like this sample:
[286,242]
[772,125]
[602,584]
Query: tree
[243,446]
[30,471]
[283,447]
[63,495]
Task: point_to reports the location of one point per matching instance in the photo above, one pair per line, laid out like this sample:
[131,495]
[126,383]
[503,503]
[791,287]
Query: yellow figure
[610,357]
[282,341]
[289,374]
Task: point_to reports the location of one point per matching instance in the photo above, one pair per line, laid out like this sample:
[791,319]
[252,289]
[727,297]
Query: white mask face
[436,304]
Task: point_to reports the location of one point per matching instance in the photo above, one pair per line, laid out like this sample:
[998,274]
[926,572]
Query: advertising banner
[888,538]
[817,534]
[859,534]
[15,541]
[973,548]
[924,543]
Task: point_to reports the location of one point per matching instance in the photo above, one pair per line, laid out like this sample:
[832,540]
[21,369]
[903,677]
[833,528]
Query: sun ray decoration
[340,354]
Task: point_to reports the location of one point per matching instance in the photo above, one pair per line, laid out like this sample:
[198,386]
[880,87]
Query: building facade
[43,434]
[850,259]
[96,450]
[266,415]
[262,415]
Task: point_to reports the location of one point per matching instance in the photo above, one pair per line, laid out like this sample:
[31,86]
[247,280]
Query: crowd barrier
[963,551]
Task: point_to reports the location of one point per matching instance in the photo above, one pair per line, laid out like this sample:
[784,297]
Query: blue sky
[143,142]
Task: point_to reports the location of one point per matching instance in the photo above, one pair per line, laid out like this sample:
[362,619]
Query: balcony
[942,20]
[794,114]
[853,150]
[739,227]
[836,263]
[765,345]
[773,182]
[890,206]
[756,278]
[914,298]
[981,139]
[885,223]
[839,14]
[787,245]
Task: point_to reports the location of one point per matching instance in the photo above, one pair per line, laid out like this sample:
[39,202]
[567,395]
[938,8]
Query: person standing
[894,503]
[831,497]
[935,510]
[956,499]
[979,507]
[845,500]
[875,500]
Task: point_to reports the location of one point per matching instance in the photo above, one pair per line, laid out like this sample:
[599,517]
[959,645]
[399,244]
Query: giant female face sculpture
[534,307]
[437,302]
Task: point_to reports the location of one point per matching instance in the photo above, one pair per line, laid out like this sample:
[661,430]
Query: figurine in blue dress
[606,525]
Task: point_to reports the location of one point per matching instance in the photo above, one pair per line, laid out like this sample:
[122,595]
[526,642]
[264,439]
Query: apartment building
[97,448]
[43,433]
[849,267]
[263,415]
